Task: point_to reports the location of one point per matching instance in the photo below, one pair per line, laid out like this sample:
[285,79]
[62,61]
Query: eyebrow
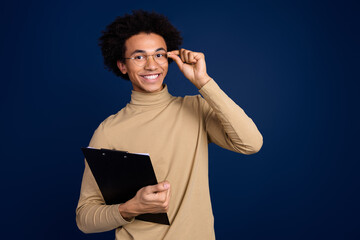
[143,51]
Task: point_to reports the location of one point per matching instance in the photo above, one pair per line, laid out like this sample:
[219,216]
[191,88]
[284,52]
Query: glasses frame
[147,58]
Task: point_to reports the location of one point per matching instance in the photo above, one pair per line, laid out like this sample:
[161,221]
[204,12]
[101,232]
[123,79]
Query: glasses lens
[140,59]
[160,57]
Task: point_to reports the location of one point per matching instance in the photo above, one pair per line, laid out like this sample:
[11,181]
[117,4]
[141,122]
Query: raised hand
[192,65]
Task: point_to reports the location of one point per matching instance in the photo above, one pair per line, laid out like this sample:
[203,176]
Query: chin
[154,88]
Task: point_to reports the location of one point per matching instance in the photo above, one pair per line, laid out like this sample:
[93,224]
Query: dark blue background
[293,66]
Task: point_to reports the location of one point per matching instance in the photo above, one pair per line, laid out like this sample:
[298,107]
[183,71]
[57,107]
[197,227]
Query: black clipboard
[120,175]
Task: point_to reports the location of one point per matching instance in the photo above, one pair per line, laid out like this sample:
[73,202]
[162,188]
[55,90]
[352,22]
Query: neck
[150,99]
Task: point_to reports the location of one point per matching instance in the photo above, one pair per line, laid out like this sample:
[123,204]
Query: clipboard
[120,175]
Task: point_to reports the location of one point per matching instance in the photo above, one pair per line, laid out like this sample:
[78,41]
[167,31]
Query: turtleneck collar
[150,99]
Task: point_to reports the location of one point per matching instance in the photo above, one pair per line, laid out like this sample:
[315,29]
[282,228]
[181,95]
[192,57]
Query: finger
[186,55]
[176,52]
[198,56]
[182,55]
[162,198]
[176,58]
[168,195]
[160,187]
[191,57]
[167,200]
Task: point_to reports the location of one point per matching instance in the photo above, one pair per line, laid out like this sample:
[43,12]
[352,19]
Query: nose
[150,63]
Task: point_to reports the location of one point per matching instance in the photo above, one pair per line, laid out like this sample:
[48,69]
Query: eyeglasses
[141,59]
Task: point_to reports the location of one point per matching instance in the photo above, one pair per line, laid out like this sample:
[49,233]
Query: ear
[121,66]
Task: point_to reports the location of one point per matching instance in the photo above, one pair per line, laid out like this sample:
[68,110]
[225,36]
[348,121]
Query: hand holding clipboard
[130,179]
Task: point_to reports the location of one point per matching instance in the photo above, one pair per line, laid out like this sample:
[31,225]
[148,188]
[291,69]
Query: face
[148,78]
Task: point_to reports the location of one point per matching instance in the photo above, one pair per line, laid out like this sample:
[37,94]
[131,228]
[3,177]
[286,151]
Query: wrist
[201,82]
[126,212]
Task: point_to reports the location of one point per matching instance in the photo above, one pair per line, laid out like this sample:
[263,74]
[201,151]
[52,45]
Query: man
[175,131]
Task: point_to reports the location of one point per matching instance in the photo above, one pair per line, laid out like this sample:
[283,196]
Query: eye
[159,55]
[139,57]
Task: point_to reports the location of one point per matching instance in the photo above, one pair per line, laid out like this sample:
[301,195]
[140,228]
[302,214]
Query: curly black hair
[112,41]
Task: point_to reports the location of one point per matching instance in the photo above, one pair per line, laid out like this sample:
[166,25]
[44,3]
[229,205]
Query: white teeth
[151,76]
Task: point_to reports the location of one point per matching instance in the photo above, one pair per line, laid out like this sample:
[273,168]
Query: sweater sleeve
[226,123]
[92,214]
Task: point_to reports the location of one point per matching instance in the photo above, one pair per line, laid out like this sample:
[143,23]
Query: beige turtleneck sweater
[175,131]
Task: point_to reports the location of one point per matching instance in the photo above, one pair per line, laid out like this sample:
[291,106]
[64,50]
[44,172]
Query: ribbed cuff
[118,217]
[209,88]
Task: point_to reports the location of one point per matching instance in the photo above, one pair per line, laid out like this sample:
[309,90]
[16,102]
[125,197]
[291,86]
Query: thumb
[174,56]
[160,187]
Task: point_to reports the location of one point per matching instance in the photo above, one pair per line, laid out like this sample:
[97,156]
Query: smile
[151,77]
